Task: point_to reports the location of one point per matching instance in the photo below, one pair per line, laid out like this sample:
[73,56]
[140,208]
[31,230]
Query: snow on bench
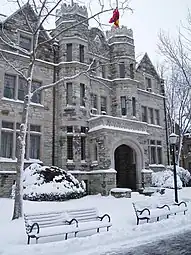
[146,211]
[157,207]
[64,222]
[173,206]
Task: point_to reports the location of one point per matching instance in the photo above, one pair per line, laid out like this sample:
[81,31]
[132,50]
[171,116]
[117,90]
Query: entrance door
[125,166]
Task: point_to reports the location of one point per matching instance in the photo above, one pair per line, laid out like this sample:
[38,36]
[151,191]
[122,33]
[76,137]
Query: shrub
[44,183]
[165,179]
[182,173]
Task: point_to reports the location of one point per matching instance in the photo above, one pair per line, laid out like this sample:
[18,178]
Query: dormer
[148,76]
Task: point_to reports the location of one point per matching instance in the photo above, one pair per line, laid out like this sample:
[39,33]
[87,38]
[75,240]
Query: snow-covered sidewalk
[124,231]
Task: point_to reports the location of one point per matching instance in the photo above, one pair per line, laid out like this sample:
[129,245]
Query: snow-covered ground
[124,232]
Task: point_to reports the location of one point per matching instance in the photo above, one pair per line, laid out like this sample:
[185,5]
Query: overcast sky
[148,18]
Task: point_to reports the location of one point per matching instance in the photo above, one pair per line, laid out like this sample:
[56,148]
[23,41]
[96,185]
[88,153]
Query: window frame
[151,115]
[134,110]
[14,85]
[69,93]
[157,117]
[144,115]
[82,94]
[131,71]
[25,35]
[155,148]
[122,70]
[9,132]
[82,53]
[103,104]
[123,100]
[70,149]
[69,55]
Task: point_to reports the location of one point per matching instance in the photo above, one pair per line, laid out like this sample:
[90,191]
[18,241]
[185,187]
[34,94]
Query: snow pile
[44,183]
[165,179]
[123,233]
[182,173]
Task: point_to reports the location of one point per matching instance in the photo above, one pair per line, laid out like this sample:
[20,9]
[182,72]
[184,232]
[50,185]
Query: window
[103,104]
[134,106]
[82,94]
[144,113]
[69,129]
[95,152]
[122,70]
[11,83]
[155,152]
[148,83]
[83,147]
[157,117]
[36,98]
[70,147]
[25,42]
[69,93]
[159,155]
[7,139]
[153,155]
[35,128]
[69,52]
[35,136]
[131,71]
[81,53]
[22,88]
[83,130]
[123,106]
[94,101]
[9,86]
[151,116]
[34,146]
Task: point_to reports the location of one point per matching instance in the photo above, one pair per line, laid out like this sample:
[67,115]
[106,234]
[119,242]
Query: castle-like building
[104,126]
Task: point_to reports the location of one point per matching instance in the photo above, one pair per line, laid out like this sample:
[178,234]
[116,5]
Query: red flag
[115,18]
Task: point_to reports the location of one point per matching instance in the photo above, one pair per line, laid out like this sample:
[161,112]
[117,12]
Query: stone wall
[98,181]
[6,182]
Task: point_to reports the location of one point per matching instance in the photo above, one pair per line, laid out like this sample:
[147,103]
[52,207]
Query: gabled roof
[146,65]
[28,8]
[7,18]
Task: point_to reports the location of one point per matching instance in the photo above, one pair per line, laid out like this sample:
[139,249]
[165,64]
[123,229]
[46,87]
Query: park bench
[173,206]
[146,212]
[164,206]
[47,224]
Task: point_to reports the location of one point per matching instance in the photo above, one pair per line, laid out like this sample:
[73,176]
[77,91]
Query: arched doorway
[125,165]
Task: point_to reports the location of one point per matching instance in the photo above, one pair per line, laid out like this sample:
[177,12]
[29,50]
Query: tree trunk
[18,203]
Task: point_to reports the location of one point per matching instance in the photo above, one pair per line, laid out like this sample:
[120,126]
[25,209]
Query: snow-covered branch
[11,65]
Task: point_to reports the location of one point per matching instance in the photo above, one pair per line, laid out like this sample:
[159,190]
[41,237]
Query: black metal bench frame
[67,223]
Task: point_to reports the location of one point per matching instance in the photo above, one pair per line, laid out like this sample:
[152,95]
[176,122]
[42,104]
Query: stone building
[104,126]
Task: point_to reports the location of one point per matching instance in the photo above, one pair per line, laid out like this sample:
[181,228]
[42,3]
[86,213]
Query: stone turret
[121,44]
[68,15]
[72,106]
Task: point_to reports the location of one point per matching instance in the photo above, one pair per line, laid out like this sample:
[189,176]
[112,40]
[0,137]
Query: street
[176,245]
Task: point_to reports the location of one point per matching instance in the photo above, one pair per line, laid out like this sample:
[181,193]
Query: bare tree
[43,10]
[178,81]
